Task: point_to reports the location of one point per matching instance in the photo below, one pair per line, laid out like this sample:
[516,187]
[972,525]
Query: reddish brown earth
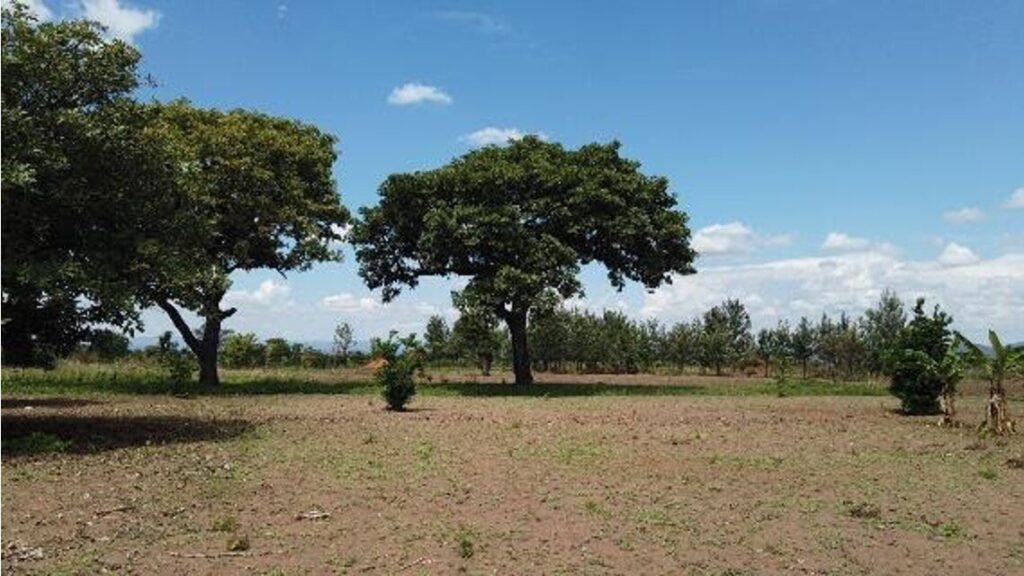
[584,485]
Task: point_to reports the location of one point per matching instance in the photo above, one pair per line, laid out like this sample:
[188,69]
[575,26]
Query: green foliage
[881,327]
[726,338]
[38,328]
[81,182]
[475,335]
[920,363]
[254,192]
[438,339]
[343,340]
[241,350]
[107,345]
[519,221]
[178,363]
[403,357]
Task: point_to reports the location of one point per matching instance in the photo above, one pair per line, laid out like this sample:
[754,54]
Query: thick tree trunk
[207,354]
[205,350]
[516,321]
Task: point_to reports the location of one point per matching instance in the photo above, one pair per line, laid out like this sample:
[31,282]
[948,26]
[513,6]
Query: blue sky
[824,150]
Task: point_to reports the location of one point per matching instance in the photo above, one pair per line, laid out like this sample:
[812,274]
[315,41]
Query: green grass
[78,379]
[36,443]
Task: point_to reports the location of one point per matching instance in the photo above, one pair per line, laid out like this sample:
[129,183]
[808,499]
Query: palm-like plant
[1004,361]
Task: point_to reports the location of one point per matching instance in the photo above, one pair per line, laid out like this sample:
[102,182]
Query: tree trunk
[205,350]
[805,368]
[485,364]
[520,349]
[207,354]
[997,413]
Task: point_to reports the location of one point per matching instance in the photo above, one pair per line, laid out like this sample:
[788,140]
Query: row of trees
[112,205]
[719,341]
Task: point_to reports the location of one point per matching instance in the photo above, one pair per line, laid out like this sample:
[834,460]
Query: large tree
[521,220]
[253,192]
[83,183]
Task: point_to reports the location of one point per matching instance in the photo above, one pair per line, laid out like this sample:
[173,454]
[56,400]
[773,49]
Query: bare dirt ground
[574,485]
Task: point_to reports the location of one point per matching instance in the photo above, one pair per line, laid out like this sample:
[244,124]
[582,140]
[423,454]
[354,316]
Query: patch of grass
[862,510]
[988,474]
[37,443]
[465,540]
[73,378]
[594,508]
[225,524]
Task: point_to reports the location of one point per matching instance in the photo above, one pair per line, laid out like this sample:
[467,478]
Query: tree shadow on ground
[28,435]
[46,402]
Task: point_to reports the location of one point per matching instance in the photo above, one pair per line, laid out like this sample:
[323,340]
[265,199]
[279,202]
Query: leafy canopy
[522,219]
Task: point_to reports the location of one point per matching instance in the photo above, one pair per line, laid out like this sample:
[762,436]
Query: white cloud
[965,215]
[841,241]
[348,303]
[493,135]
[269,292]
[37,8]
[413,93]
[723,239]
[122,21]
[956,255]
[982,294]
[282,11]
[733,238]
[1016,200]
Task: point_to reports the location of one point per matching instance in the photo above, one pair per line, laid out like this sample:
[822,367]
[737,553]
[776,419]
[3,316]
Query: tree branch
[182,326]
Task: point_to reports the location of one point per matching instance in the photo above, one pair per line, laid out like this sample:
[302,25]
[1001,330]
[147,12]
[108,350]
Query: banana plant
[1004,361]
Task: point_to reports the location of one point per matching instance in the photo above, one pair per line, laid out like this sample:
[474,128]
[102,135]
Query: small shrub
[402,359]
[988,474]
[919,363]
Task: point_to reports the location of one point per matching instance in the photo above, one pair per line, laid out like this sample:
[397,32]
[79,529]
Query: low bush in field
[401,359]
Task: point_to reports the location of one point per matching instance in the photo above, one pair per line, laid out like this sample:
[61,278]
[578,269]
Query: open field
[654,475]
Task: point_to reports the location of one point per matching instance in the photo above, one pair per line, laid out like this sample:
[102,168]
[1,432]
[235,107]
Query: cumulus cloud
[723,239]
[965,215]
[493,135]
[841,241]
[1016,200]
[122,21]
[269,292]
[956,255]
[981,294]
[733,238]
[414,93]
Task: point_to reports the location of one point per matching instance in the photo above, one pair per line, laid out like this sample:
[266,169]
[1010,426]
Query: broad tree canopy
[521,220]
[83,182]
[253,191]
